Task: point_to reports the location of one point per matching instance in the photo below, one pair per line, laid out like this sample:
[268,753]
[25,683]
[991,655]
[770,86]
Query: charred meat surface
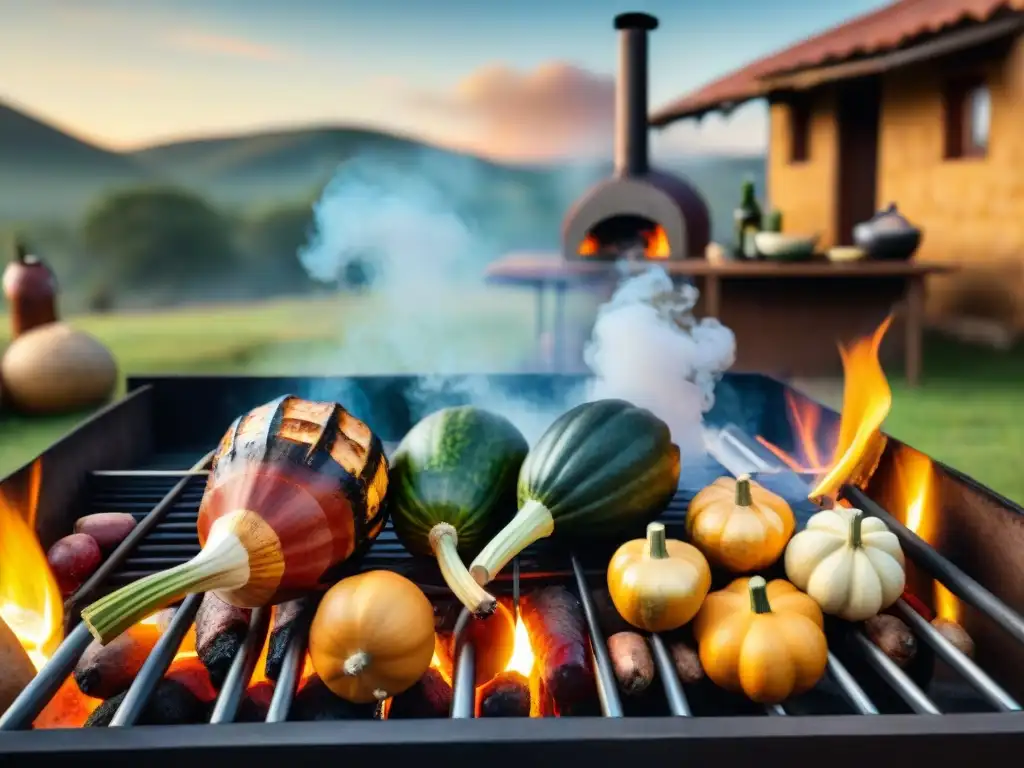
[220,632]
[554,618]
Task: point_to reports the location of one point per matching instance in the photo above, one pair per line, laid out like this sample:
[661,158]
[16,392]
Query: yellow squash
[658,584]
[739,525]
[763,640]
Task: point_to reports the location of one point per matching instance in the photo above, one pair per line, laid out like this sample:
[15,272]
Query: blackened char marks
[554,619]
[220,632]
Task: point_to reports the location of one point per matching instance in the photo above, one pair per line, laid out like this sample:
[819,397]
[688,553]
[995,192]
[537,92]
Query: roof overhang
[811,77]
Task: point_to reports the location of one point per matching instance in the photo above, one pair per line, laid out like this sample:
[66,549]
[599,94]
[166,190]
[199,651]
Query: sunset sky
[523,80]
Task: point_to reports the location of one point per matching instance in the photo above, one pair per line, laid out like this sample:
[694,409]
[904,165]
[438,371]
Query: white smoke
[645,346]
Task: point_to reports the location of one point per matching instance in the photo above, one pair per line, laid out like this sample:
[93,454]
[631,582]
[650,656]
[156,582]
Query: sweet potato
[430,697]
[104,671]
[16,668]
[108,528]
[220,632]
[507,695]
[632,662]
[893,637]
[956,635]
[557,628]
[73,560]
[687,663]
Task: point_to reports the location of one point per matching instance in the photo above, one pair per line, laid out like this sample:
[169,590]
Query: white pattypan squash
[850,564]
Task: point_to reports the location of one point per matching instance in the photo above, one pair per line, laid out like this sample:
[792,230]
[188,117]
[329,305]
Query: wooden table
[787,317]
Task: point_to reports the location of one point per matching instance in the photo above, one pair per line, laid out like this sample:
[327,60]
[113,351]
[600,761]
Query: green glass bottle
[748,223]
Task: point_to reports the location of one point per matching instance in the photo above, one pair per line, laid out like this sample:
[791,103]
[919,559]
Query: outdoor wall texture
[971,209]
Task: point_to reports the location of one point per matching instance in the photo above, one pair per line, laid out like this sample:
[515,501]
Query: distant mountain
[46,173]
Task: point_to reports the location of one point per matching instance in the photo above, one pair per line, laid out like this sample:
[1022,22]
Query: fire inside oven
[629,237]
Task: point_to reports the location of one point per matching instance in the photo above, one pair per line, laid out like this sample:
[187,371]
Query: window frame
[958,114]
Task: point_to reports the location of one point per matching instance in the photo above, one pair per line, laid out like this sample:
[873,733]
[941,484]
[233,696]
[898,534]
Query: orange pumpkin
[764,640]
[372,636]
[739,524]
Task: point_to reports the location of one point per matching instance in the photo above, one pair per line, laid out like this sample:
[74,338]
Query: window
[800,130]
[968,118]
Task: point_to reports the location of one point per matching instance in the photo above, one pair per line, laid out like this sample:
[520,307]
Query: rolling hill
[47,174]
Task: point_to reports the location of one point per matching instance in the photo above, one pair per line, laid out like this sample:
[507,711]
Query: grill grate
[166,504]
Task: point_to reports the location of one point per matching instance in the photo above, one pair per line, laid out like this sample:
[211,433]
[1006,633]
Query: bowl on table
[785,247]
[842,254]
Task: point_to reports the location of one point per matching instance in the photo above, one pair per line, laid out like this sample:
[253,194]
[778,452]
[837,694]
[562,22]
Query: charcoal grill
[146,454]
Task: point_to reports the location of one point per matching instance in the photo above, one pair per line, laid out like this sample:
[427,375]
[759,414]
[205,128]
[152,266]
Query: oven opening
[627,236]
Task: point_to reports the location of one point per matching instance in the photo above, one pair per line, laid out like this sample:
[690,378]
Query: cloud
[195,41]
[557,110]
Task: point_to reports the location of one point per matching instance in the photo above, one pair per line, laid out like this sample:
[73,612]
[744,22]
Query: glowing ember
[589,246]
[30,602]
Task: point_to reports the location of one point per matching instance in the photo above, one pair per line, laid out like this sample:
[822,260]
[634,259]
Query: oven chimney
[631,130]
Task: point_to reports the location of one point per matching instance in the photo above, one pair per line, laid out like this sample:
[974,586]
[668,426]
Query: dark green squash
[453,485]
[600,468]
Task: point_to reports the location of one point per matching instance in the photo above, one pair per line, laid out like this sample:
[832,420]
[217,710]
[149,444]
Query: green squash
[453,485]
[600,468]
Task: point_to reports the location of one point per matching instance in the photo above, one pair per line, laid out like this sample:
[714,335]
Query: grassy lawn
[969,413]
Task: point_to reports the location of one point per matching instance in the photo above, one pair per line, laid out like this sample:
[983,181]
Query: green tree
[271,241]
[162,240]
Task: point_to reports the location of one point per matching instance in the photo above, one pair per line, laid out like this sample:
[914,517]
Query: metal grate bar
[775,710]
[291,668]
[896,677]
[138,533]
[156,664]
[674,693]
[464,674]
[233,691]
[952,655]
[150,473]
[954,579]
[51,677]
[850,687]
[607,690]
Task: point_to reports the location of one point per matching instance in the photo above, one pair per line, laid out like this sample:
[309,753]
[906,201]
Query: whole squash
[763,640]
[372,636]
[55,368]
[851,564]
[658,584]
[602,467]
[739,525]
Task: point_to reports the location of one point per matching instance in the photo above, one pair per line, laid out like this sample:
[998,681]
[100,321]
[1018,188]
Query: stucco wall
[971,210]
[805,192]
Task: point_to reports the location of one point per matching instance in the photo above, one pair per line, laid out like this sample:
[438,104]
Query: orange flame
[656,244]
[523,658]
[917,484]
[589,247]
[867,399]
[30,601]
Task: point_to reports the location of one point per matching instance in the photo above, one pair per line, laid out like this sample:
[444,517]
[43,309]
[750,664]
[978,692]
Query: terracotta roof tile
[871,34]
